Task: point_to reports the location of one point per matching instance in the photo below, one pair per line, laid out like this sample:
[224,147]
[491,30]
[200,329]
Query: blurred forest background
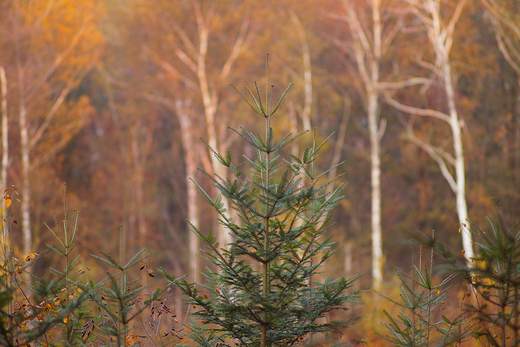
[113,97]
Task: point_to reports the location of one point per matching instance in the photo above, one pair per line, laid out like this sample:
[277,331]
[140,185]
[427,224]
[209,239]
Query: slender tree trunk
[24,146]
[442,39]
[375,178]
[366,50]
[210,102]
[5,150]
[460,172]
[26,183]
[138,186]
[375,148]
[141,145]
[307,73]
[5,139]
[190,162]
[515,151]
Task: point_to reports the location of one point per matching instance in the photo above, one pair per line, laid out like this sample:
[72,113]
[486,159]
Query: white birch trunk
[442,39]
[190,161]
[210,102]
[194,55]
[375,149]
[367,52]
[26,183]
[460,172]
[5,140]
[307,73]
[375,178]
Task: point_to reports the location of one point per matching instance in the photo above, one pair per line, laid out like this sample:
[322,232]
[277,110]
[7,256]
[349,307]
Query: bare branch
[417,111]
[57,62]
[503,47]
[451,25]
[170,69]
[185,39]
[307,74]
[71,83]
[427,65]
[336,157]
[161,100]
[382,129]
[357,28]
[416,10]
[68,131]
[433,153]
[186,60]
[506,46]
[448,31]
[241,44]
[392,33]
[406,83]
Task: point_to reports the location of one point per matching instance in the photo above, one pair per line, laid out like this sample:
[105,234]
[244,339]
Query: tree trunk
[26,183]
[5,140]
[442,39]
[375,178]
[367,51]
[5,150]
[140,148]
[190,162]
[460,173]
[210,102]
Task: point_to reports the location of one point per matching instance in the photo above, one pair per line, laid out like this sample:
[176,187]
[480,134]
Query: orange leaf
[7,202]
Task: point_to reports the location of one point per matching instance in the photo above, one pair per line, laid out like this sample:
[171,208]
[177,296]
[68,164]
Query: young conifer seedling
[264,290]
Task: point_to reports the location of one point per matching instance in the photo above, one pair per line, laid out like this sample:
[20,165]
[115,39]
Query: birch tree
[368,41]
[181,108]
[4,237]
[440,32]
[55,43]
[5,138]
[204,70]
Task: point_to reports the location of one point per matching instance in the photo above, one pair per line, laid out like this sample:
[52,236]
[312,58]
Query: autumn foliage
[113,97]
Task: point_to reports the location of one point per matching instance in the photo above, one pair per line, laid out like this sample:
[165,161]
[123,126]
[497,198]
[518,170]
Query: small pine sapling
[494,280]
[263,291]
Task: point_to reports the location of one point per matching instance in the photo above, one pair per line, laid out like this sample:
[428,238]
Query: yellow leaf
[7,202]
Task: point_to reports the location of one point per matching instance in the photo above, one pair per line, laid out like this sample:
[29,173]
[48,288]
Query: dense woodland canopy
[113,97]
